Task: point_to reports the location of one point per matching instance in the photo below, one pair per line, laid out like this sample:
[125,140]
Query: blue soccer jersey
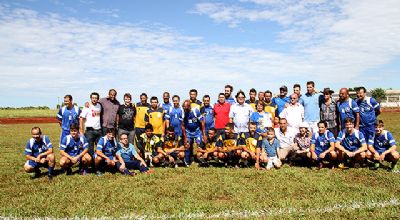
[230,100]
[192,121]
[73,147]
[108,147]
[347,109]
[208,114]
[166,107]
[67,117]
[175,117]
[127,153]
[322,142]
[280,102]
[367,107]
[382,142]
[34,148]
[351,142]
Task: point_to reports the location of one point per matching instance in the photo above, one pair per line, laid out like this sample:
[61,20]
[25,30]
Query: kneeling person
[351,144]
[270,145]
[171,148]
[74,150]
[128,158]
[322,145]
[148,143]
[105,152]
[231,146]
[39,153]
[252,141]
[209,150]
[383,147]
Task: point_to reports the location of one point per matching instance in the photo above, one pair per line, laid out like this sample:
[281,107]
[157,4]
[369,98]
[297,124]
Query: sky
[50,48]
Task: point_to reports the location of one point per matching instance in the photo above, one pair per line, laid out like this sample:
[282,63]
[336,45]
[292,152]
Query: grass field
[221,193]
[24,113]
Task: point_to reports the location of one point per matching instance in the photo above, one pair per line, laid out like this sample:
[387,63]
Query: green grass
[25,113]
[291,192]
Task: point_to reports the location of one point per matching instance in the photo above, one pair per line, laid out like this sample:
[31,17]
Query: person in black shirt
[126,118]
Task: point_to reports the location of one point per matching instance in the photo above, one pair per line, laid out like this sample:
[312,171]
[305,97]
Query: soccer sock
[187,156]
[51,170]
[126,171]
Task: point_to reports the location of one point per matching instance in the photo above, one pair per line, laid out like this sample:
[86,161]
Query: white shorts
[273,161]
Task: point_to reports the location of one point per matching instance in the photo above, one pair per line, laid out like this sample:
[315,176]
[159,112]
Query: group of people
[262,131]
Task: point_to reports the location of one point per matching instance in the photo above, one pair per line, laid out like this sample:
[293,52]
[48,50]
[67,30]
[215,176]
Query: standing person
[383,147]
[174,117]
[252,100]
[39,153]
[155,117]
[207,111]
[74,150]
[285,135]
[68,115]
[106,149]
[221,114]
[263,120]
[281,100]
[322,145]
[347,108]
[166,105]
[90,118]
[369,110]
[194,103]
[311,107]
[110,106]
[228,94]
[126,118]
[269,106]
[141,111]
[329,112]
[297,90]
[261,96]
[351,144]
[294,112]
[193,130]
[240,113]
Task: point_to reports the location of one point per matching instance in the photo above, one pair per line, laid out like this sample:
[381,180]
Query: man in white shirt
[240,113]
[294,112]
[90,116]
[286,136]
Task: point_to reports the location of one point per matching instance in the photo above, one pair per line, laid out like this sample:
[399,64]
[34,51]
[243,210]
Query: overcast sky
[51,48]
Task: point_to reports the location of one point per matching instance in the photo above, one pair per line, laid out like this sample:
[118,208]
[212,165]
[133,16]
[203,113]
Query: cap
[327,91]
[283,88]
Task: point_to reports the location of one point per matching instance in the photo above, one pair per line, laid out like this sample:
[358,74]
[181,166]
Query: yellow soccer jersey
[252,104]
[169,144]
[252,142]
[269,107]
[141,111]
[149,144]
[195,104]
[230,142]
[156,119]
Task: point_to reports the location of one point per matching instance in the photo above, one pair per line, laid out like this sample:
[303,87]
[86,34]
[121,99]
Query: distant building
[392,98]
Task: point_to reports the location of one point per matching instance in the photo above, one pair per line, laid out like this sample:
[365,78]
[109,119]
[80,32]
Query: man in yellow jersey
[155,117]
[194,103]
[252,140]
[252,101]
[232,145]
[209,150]
[171,149]
[140,123]
[268,105]
[148,144]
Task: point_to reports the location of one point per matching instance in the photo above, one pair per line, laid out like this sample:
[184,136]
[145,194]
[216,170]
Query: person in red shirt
[221,114]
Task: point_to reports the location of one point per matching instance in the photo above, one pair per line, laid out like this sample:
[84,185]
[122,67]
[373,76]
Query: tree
[379,94]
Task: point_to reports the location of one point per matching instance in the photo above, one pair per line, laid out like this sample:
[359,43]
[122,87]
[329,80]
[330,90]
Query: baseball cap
[327,91]
[283,88]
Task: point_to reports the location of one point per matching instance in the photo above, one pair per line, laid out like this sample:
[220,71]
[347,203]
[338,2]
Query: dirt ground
[28,120]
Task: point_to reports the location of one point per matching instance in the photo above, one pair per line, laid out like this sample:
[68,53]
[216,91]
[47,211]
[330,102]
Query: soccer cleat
[342,166]
[320,165]
[36,175]
[99,173]
[132,174]
[394,169]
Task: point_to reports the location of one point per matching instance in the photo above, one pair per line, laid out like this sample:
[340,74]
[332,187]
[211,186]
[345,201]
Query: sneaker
[394,169]
[376,166]
[99,173]
[36,175]
[132,174]
[342,166]
[320,165]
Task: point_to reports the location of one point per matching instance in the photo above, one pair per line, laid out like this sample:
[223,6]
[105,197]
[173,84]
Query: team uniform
[74,147]
[212,145]
[192,123]
[67,117]
[230,100]
[208,113]
[140,123]
[166,107]
[368,106]
[252,141]
[195,104]
[168,144]
[347,109]
[230,142]
[156,118]
[175,118]
[149,145]
[280,103]
[322,142]
[270,108]
[263,121]
[351,142]
[382,142]
[34,148]
[128,154]
[253,104]
[108,147]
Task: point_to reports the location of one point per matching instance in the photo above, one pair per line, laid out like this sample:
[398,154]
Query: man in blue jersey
[207,111]
[347,108]
[382,146]
[350,144]
[228,94]
[369,110]
[311,102]
[68,115]
[105,152]
[322,146]
[193,129]
[281,100]
[39,153]
[174,117]
[166,105]
[74,150]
